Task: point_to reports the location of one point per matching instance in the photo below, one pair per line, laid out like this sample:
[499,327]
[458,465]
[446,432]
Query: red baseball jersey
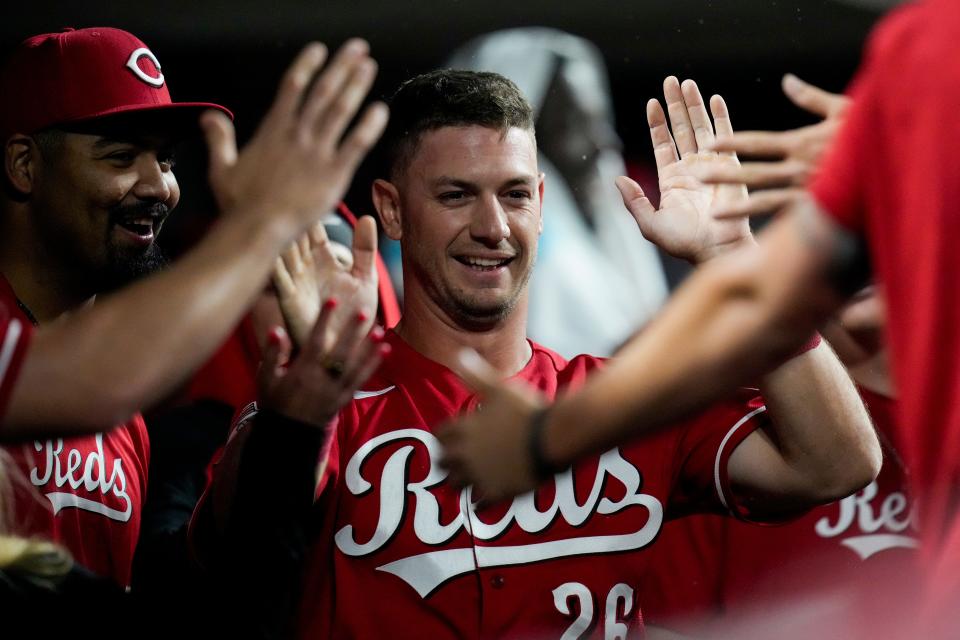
[84,493]
[401,554]
[893,177]
[14,338]
[709,572]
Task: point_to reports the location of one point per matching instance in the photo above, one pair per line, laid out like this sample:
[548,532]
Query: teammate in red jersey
[97,368]
[396,549]
[88,129]
[889,183]
[713,575]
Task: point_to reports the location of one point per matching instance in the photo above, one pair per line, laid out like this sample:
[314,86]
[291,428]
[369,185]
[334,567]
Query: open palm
[684,225]
[309,274]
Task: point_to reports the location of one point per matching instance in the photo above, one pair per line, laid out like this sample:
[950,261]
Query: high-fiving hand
[300,161]
[684,226]
[309,272]
[791,156]
[320,380]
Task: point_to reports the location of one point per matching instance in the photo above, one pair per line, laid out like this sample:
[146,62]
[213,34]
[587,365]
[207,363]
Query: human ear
[20,156]
[386,200]
[541,179]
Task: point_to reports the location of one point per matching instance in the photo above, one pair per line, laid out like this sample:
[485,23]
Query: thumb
[221,141]
[636,202]
[365,248]
[811,98]
[476,372]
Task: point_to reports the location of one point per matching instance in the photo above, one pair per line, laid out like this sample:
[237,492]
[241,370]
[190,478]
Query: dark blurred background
[234,52]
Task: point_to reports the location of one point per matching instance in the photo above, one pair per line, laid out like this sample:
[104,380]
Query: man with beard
[88,129]
[396,548]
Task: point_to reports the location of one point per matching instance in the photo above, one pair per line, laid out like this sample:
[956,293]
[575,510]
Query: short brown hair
[450,98]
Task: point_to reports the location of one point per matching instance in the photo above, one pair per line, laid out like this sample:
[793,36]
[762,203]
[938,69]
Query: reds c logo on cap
[143,52]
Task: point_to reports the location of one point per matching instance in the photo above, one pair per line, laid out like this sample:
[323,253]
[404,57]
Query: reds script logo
[427,571]
[881,530]
[132,64]
[93,478]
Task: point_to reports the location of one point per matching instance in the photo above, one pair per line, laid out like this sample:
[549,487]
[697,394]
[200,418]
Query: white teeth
[482,262]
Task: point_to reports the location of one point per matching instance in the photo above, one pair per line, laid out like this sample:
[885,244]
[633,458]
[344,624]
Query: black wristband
[542,468]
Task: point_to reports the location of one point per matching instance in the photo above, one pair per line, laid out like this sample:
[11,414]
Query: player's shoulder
[546,361]
[134,429]
[738,407]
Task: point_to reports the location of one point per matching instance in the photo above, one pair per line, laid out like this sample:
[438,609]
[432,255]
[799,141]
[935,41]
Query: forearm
[820,428]
[733,320]
[261,511]
[130,349]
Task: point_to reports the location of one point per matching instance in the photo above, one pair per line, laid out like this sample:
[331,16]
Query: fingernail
[275,337]
[385,349]
[378,334]
[331,303]
[791,82]
[361,316]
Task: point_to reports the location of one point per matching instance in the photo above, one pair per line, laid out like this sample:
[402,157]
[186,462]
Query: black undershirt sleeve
[261,558]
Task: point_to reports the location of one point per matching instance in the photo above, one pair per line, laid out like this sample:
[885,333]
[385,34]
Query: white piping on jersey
[723,444]
[362,395]
[14,329]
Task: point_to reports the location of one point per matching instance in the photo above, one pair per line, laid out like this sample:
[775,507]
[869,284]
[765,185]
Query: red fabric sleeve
[703,452]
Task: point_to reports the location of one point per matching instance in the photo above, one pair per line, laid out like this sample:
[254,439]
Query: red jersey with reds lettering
[893,177]
[709,571]
[14,337]
[84,493]
[403,555]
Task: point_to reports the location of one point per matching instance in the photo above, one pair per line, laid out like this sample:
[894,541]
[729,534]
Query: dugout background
[234,52]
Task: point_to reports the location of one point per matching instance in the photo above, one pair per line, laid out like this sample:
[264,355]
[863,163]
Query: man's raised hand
[313,386]
[790,156]
[683,225]
[309,272]
[300,161]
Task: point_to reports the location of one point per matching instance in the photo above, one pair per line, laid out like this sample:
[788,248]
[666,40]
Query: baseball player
[187,438]
[396,549]
[88,127]
[889,183]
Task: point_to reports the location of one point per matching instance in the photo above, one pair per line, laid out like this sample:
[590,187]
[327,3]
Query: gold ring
[334,368]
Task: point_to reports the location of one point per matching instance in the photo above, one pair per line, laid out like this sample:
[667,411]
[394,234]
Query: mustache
[156,210]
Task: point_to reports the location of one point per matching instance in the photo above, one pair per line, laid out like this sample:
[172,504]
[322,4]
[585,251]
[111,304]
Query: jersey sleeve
[703,452]
[14,338]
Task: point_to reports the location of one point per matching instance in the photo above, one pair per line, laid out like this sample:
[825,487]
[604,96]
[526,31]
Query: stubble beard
[470,311]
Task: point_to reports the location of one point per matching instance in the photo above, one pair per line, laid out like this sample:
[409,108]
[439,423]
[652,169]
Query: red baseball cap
[82,74]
